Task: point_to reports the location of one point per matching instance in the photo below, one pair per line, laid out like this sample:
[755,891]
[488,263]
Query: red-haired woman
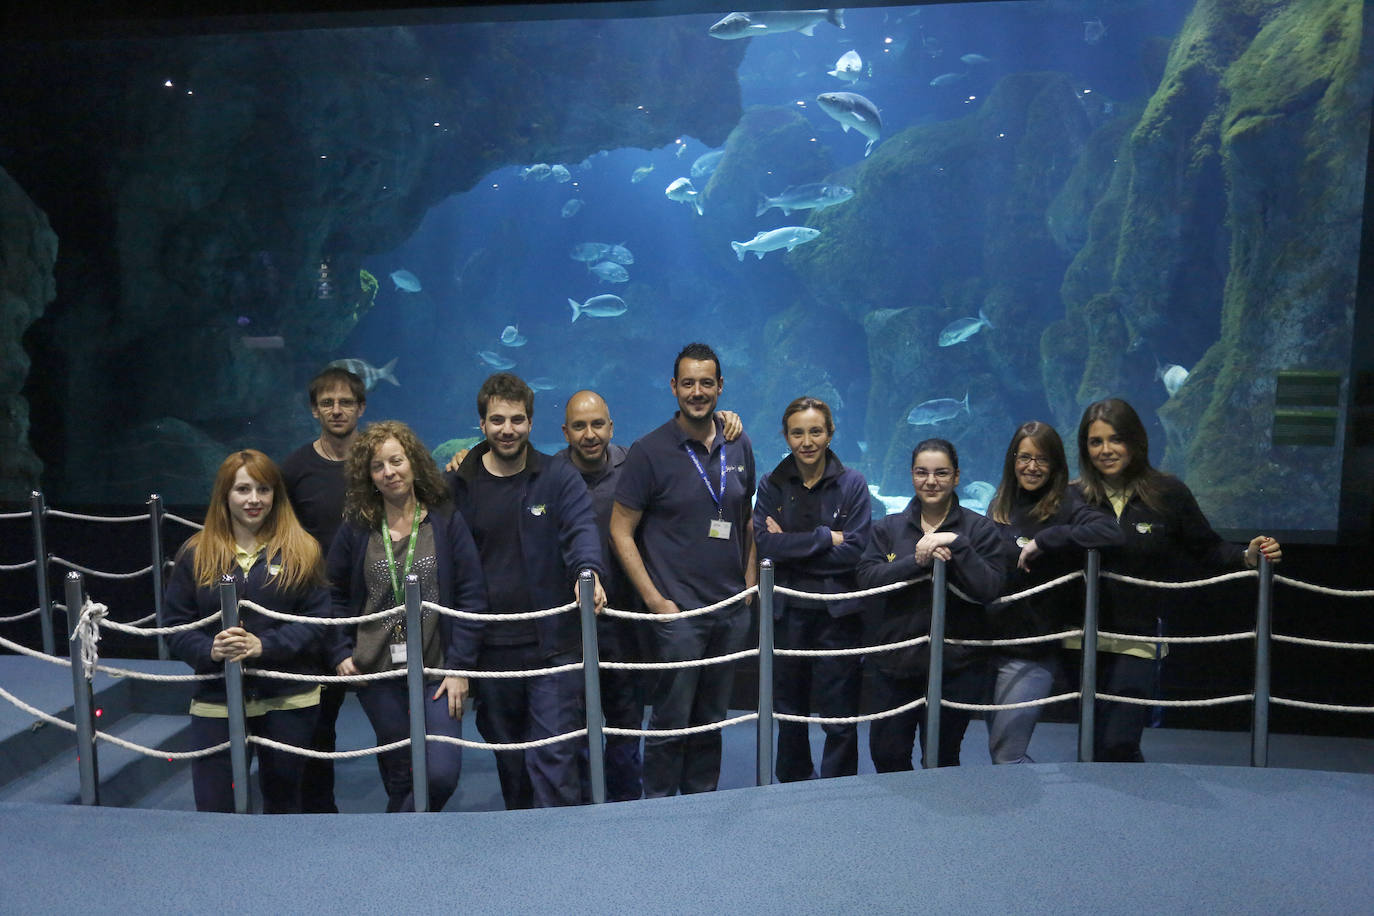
[251,534]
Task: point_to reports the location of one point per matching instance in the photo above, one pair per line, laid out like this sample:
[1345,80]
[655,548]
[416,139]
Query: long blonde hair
[288,544]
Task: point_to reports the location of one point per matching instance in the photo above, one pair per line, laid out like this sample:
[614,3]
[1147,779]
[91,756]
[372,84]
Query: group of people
[670,524]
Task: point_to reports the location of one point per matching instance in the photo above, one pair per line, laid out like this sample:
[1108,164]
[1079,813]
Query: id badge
[398,653]
[720,528]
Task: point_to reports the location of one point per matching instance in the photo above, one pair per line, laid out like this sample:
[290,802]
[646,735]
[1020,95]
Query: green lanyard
[410,554]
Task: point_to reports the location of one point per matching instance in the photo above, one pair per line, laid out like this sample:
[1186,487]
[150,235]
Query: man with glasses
[314,475]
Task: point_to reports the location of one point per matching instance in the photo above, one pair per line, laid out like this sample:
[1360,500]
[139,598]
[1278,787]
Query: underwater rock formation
[28,250]
[213,189]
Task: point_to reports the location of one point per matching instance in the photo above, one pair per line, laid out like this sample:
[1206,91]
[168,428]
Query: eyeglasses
[343,403]
[941,475]
[1040,461]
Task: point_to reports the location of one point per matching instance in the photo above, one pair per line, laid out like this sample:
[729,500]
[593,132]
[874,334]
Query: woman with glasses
[1049,527]
[904,547]
[812,518]
[398,523]
[1166,537]
[251,534]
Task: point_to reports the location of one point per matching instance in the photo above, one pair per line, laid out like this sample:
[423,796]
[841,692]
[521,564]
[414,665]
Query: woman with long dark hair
[1050,527]
[251,534]
[812,518]
[1166,537]
[397,524]
[902,547]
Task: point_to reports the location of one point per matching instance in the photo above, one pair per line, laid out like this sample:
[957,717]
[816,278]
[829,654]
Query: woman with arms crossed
[812,518]
[396,524]
[1166,538]
[251,534]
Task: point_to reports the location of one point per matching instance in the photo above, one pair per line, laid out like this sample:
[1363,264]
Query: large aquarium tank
[942,219]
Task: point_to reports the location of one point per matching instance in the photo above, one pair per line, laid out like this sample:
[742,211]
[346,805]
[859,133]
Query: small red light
[99,712]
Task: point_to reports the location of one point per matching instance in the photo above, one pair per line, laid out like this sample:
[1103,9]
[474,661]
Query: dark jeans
[692,696]
[512,710]
[835,682]
[622,705]
[388,709]
[1117,727]
[279,772]
[892,740]
[317,781]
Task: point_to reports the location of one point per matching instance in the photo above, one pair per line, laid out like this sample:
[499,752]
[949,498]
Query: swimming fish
[853,110]
[604,306]
[946,79]
[788,237]
[706,163]
[511,336]
[962,329]
[975,59]
[1093,30]
[540,171]
[979,491]
[1172,375]
[640,174]
[541,383]
[937,410]
[681,150]
[588,252]
[682,191]
[619,254]
[805,197]
[495,360]
[848,67]
[608,272]
[752,25]
[560,174]
[369,373]
[405,280]
[570,208]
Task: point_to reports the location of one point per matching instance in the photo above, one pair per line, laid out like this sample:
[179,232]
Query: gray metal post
[1087,678]
[591,678]
[81,690]
[40,555]
[765,723]
[415,683]
[233,699]
[155,521]
[1259,732]
[935,682]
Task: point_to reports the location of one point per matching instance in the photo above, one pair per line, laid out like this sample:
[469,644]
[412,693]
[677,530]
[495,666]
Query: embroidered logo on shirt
[538,510]
[1022,541]
[891,557]
[1143,527]
[738,469]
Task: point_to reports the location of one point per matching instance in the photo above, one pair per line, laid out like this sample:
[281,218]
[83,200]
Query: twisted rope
[98,573]
[997,707]
[1322,643]
[849,720]
[185,521]
[1214,701]
[1322,707]
[6,516]
[24,616]
[19,566]
[680,732]
[329,755]
[844,596]
[680,615]
[391,612]
[521,615]
[1221,637]
[1195,583]
[112,739]
[58,513]
[525,672]
[674,666]
[326,678]
[1324,590]
[512,746]
[22,649]
[1018,641]
[861,650]
[158,631]
[87,629]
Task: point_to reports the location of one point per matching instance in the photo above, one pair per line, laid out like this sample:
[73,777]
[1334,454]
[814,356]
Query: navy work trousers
[388,709]
[279,772]
[834,682]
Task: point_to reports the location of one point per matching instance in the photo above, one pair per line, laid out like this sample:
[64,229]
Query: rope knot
[87,629]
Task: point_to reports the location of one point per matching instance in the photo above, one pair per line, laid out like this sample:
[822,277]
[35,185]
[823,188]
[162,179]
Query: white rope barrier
[97,573]
[1143,701]
[24,616]
[22,649]
[521,615]
[329,755]
[1018,641]
[1324,590]
[391,612]
[1195,583]
[158,631]
[680,732]
[675,666]
[7,516]
[998,707]
[1320,707]
[681,615]
[1181,640]
[325,678]
[58,513]
[185,521]
[112,739]
[18,567]
[36,712]
[87,629]
[1323,643]
[525,672]
[142,620]
[837,653]
[845,596]
[156,678]
[512,746]
[849,720]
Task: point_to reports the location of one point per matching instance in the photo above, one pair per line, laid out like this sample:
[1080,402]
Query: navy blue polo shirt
[658,479]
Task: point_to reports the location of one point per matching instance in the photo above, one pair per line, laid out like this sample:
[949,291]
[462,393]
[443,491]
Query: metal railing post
[1259,732]
[935,682]
[155,521]
[591,678]
[87,764]
[233,699]
[1087,676]
[40,555]
[415,685]
[765,722]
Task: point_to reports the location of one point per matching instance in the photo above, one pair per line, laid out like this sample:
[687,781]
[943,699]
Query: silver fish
[405,280]
[805,197]
[946,79]
[752,25]
[706,163]
[609,272]
[495,360]
[975,59]
[604,306]
[1173,376]
[937,410]
[962,329]
[588,252]
[619,254]
[788,237]
[570,208]
[853,110]
[560,174]
[979,491]
[369,373]
[848,67]
[682,191]
[541,383]
[640,174]
[540,171]
[511,336]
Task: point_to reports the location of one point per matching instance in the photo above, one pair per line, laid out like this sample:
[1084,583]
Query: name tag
[720,528]
[398,653]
